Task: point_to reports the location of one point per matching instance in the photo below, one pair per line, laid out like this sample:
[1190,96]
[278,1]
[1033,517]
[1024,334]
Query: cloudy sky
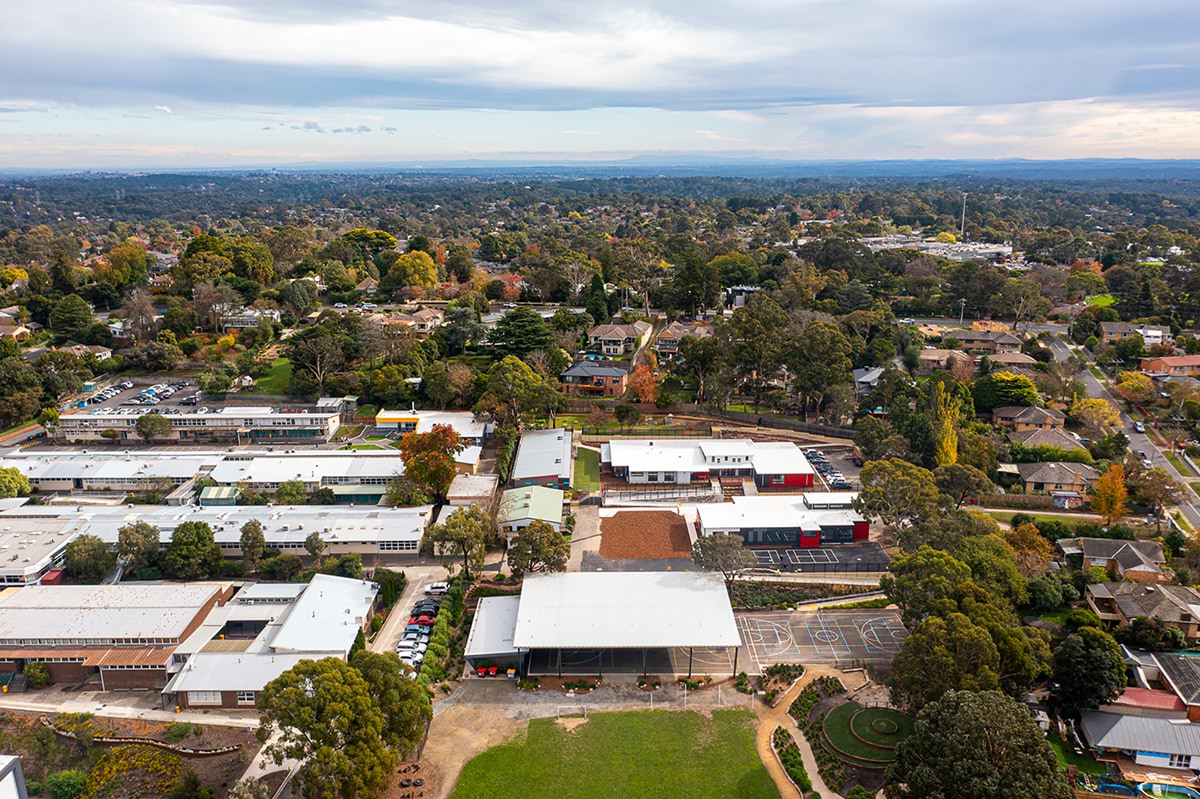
[108,83]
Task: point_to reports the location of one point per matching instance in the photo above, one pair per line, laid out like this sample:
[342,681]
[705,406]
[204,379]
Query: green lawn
[362,446]
[1101,300]
[637,754]
[1181,467]
[587,470]
[275,380]
[1067,757]
[837,731]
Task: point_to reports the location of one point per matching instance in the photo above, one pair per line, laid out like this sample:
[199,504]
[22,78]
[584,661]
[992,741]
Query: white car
[406,647]
[414,660]
[437,589]
[339,305]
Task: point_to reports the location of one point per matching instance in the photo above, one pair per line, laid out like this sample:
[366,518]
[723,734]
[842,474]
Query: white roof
[771,511]
[472,487]
[463,422]
[257,592]
[616,610]
[702,454]
[327,470]
[832,499]
[492,630]
[103,611]
[107,466]
[327,616]
[779,457]
[543,453]
[231,671]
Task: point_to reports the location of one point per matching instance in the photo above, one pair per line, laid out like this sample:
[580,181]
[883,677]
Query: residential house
[249,317]
[83,350]
[618,339]
[427,320]
[595,379]
[865,380]
[666,343]
[933,358]
[1020,418]
[368,286]
[737,296]
[1172,366]
[1159,743]
[161,282]
[1133,560]
[1151,335]
[1066,480]
[15,331]
[1179,673]
[1056,438]
[1175,606]
[988,341]
[1011,360]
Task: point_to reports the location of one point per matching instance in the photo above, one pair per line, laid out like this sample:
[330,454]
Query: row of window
[398,546]
[138,667]
[88,641]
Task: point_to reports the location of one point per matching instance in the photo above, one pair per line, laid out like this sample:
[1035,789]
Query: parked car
[426,606]
[411,646]
[422,621]
[437,589]
[1139,427]
[416,628]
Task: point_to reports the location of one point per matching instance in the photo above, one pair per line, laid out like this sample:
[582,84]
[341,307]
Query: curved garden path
[778,716]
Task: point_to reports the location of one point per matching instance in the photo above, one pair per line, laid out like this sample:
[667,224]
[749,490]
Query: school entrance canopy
[589,622]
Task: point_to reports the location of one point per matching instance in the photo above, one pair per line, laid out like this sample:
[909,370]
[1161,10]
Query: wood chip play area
[644,534]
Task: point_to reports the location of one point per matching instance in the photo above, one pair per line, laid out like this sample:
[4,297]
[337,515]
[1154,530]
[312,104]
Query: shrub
[376,623]
[37,675]
[742,685]
[789,756]
[529,684]
[65,784]
[178,730]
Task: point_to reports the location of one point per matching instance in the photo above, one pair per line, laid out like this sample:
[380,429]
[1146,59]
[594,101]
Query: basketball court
[840,637]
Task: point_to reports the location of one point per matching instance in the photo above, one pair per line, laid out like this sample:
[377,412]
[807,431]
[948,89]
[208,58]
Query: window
[204,697]
[245,697]
[1181,761]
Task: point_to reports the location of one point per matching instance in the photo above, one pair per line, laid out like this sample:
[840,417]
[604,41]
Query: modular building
[469,429]
[243,425]
[543,458]
[784,521]
[770,464]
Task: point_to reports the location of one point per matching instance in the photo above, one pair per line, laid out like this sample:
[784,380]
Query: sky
[184,83]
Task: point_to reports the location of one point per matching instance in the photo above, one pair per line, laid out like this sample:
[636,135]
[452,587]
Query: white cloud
[166,109]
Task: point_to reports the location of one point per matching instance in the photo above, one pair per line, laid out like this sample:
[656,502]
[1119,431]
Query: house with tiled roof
[1122,331]
[666,343]
[368,285]
[1020,418]
[934,358]
[1175,606]
[595,379]
[1124,560]
[1011,360]
[1047,438]
[988,341]
[1058,478]
[618,339]
[1172,366]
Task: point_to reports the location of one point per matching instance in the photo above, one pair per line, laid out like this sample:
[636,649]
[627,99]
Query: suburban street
[1137,441]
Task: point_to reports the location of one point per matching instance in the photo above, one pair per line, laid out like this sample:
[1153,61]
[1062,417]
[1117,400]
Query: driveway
[418,578]
[1137,441]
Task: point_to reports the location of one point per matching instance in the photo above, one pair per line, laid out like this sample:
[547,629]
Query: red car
[421,621]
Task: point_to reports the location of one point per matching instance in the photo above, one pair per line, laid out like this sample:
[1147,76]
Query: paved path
[86,703]
[586,536]
[1137,441]
[778,717]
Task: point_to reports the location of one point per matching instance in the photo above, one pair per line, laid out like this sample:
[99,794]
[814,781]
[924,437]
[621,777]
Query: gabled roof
[1173,360]
[543,453]
[1046,438]
[1182,673]
[1149,699]
[634,330]
[968,336]
[595,369]
[1139,733]
[1169,603]
[1029,414]
[1056,472]
[1107,548]
[678,330]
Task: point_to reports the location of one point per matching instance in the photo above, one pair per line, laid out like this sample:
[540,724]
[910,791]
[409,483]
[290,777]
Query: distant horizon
[767,165]
[132,84]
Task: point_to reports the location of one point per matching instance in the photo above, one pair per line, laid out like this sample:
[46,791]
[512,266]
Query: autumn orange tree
[1109,494]
[1031,550]
[429,459]
[644,383]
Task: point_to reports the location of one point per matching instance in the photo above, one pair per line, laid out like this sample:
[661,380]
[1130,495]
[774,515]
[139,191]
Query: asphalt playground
[838,637]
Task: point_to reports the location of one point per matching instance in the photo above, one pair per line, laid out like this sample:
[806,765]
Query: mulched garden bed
[645,534]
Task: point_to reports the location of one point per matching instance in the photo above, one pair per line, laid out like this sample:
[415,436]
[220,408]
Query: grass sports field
[642,753]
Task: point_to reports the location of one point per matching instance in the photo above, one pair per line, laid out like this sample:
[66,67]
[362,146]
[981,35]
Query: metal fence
[663,494]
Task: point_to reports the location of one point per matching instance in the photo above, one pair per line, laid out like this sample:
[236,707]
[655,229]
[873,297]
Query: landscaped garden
[853,745]
[640,753]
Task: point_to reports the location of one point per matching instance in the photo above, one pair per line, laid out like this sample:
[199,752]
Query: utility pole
[962,227]
[962,309]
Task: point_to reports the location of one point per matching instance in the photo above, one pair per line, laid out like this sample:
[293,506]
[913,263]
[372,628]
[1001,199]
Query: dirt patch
[572,723]
[645,534]
[455,737]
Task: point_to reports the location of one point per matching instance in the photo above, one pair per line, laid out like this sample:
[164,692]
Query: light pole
[962,309]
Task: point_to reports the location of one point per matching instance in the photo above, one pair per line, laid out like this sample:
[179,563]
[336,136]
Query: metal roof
[327,616]
[543,453]
[492,630]
[625,610]
[1140,733]
[533,502]
[103,611]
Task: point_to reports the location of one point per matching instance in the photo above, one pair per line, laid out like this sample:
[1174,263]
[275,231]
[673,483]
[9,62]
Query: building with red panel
[785,522]
[770,464]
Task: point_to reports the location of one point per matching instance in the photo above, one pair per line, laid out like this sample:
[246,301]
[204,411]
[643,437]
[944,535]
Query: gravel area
[644,534]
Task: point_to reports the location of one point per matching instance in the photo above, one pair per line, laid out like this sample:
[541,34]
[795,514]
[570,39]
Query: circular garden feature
[864,738]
